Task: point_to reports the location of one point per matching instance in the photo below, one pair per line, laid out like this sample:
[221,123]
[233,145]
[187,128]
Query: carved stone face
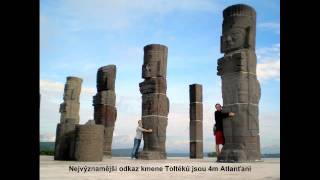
[150,69]
[233,39]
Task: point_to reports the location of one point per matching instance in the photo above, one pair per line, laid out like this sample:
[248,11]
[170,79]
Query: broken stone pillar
[155,103]
[196,117]
[89,142]
[240,87]
[69,109]
[104,102]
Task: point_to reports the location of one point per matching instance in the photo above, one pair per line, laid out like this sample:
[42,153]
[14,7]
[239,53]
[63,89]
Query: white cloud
[269,70]
[273,26]
[268,66]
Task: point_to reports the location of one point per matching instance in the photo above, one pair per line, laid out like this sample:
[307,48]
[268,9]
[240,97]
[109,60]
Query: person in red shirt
[218,127]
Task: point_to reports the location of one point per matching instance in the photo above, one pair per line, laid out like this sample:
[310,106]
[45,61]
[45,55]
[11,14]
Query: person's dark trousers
[135,149]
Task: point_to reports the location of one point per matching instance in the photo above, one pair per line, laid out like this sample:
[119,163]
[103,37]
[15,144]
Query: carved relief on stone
[155,104]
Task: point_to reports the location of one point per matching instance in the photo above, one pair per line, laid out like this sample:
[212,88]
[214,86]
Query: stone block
[72,88]
[195,93]
[105,98]
[105,115]
[89,142]
[196,111]
[64,147]
[153,85]
[240,88]
[196,130]
[155,104]
[238,61]
[196,150]
[69,110]
[106,76]
[154,141]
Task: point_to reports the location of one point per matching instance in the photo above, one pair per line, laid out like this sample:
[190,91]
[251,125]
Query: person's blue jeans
[135,149]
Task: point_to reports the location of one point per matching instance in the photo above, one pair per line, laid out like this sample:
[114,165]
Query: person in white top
[137,139]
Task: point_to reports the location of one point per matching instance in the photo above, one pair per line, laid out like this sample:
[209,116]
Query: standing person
[218,127]
[137,139]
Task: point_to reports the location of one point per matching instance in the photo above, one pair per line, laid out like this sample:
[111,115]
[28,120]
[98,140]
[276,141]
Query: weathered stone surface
[154,141]
[72,88]
[242,60]
[240,88]
[155,61]
[108,136]
[69,110]
[196,117]
[106,77]
[196,130]
[155,104]
[195,93]
[105,115]
[64,144]
[89,142]
[105,98]
[245,122]
[196,149]
[153,85]
[196,111]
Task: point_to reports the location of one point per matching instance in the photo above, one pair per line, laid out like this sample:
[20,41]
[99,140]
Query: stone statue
[240,87]
[104,102]
[69,109]
[155,103]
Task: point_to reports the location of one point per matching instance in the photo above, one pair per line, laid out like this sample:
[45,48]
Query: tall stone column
[240,87]
[155,103]
[69,109]
[196,117]
[104,102]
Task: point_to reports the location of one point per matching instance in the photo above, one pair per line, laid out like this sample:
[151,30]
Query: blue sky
[79,36]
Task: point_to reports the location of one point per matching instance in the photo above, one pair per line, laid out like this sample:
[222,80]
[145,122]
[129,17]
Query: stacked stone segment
[69,118]
[196,119]
[104,102]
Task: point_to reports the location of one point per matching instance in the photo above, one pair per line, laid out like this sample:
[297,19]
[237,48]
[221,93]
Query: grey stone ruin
[104,102]
[240,87]
[196,117]
[155,103]
[69,109]
[89,142]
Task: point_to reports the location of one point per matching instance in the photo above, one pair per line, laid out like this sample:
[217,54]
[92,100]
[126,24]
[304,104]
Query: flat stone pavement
[177,168]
